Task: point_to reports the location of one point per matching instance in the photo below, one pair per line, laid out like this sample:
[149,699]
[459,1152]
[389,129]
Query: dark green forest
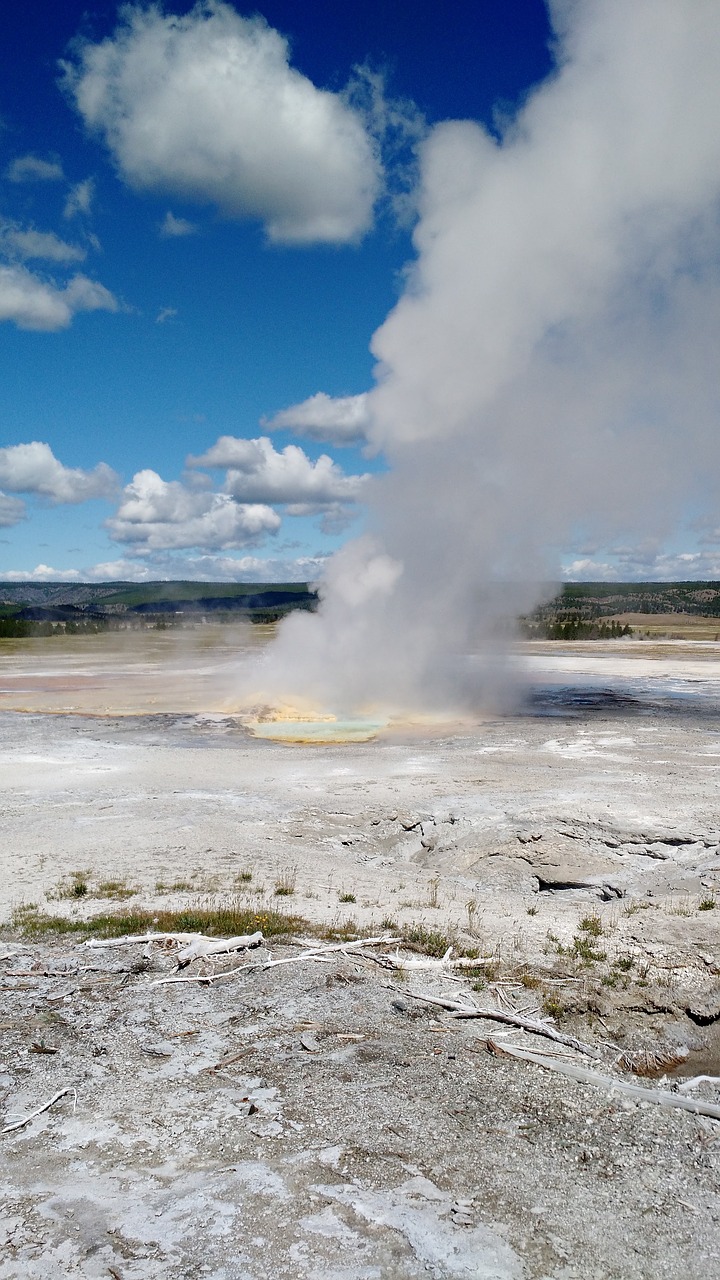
[580,611]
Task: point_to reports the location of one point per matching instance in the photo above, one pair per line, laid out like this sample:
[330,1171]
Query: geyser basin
[322,730]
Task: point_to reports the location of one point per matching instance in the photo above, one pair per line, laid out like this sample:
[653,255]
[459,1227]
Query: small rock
[163,1049]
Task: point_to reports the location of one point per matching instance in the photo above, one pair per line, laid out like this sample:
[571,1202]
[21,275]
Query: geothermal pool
[199,672]
[595,799]
[130,758]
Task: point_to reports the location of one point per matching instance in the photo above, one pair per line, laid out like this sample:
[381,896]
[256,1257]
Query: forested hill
[581,610]
[30,607]
[591,600]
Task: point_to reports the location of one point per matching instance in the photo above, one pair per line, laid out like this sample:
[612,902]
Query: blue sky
[206,213]
[200,335]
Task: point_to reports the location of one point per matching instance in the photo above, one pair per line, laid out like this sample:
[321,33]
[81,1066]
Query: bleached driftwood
[198,945]
[660,1097]
[20,1124]
[354,947]
[130,938]
[536,1027]
[687,1085]
[428,962]
[318,953]
[203,947]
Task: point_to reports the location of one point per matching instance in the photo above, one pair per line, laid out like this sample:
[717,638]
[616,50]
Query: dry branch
[19,1124]
[427,962]
[203,947]
[687,1085]
[319,953]
[532,1025]
[198,945]
[660,1097]
[128,939]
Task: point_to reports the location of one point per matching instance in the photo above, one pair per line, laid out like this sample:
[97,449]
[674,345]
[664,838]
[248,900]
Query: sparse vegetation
[432,941]
[286,882]
[591,925]
[115,889]
[224,921]
[348,897]
[553,1007]
[707,903]
[75,885]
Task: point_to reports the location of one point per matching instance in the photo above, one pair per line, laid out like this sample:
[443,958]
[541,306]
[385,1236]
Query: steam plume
[551,367]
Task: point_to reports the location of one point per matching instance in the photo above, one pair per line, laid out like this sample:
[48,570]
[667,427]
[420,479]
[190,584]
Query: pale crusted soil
[411,1150]
[315,1121]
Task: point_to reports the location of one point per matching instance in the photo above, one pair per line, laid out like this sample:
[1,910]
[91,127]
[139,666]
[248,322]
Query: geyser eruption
[550,371]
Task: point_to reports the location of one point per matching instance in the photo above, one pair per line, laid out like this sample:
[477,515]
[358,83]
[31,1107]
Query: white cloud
[259,473]
[207,106]
[156,566]
[25,243]
[629,566]
[164,515]
[172,226]
[80,198]
[34,169]
[333,420]
[42,573]
[33,468]
[165,314]
[12,511]
[32,303]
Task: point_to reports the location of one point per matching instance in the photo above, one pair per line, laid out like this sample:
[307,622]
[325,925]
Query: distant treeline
[30,609]
[575,629]
[592,600]
[581,610]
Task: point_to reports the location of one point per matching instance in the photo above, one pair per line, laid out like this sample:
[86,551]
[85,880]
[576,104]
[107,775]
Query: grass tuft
[224,922]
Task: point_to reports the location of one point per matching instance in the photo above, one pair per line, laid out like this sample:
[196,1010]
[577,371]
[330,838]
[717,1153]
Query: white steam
[551,366]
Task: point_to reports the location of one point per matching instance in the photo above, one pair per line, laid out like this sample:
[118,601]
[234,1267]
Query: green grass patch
[222,922]
[591,925]
[431,941]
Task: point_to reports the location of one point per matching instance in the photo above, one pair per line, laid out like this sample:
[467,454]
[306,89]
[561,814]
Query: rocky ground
[317,1119]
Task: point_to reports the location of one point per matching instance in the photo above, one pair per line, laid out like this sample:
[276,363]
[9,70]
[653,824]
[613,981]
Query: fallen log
[318,953]
[198,945]
[661,1097]
[532,1025]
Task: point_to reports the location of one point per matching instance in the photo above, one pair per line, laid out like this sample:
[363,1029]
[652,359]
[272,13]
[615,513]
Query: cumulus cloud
[12,511]
[36,304]
[206,105]
[631,566]
[163,515]
[42,573]
[257,472]
[552,362]
[335,420]
[33,468]
[34,169]
[26,243]
[174,227]
[80,198]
